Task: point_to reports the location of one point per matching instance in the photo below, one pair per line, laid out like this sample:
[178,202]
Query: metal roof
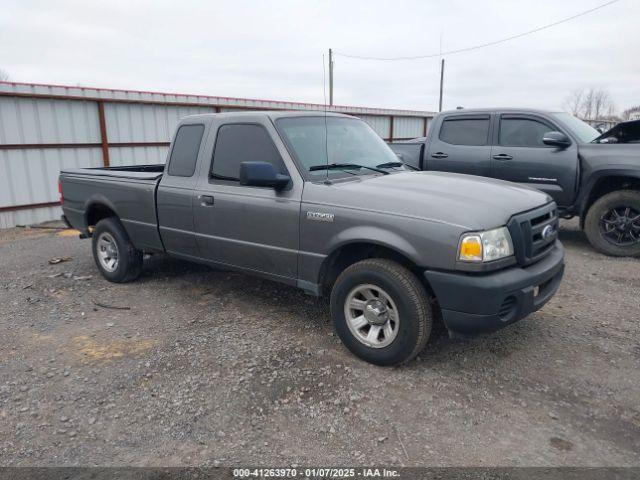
[141,96]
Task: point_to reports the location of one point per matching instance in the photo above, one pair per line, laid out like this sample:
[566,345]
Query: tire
[400,296]
[110,238]
[602,211]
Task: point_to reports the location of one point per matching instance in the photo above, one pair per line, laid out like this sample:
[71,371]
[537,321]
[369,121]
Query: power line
[483,45]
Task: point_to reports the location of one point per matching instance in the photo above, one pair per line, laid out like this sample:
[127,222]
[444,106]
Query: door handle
[206,200]
[502,156]
[439,155]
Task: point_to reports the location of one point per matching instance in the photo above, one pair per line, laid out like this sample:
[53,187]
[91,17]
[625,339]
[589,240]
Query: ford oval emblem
[548,232]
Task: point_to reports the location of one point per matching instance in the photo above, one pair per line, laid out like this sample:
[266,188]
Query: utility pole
[441,84]
[331,77]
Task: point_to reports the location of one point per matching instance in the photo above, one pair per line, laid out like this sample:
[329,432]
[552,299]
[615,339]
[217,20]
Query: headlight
[485,246]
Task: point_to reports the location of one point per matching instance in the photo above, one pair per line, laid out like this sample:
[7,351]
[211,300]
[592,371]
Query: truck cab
[506,144]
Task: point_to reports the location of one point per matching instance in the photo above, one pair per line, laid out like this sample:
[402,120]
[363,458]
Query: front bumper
[473,304]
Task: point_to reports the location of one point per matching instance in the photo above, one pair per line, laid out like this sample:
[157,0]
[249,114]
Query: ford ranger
[320,202]
[592,176]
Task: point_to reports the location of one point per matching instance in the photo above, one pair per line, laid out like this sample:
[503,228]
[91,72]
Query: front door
[518,155]
[253,228]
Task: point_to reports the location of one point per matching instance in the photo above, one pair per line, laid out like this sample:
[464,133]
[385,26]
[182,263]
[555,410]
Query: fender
[353,236]
[97,199]
[375,236]
[596,176]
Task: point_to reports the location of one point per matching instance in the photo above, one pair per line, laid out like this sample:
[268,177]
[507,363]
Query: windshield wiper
[330,166]
[396,164]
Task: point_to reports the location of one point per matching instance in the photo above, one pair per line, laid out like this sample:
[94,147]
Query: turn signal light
[471,248]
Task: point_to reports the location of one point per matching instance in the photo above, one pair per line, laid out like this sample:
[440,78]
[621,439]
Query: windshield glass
[348,141]
[585,132]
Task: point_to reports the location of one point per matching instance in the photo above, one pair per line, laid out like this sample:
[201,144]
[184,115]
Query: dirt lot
[216,368]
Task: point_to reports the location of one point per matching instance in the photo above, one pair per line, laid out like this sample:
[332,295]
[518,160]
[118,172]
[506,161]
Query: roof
[501,109]
[141,96]
[274,114]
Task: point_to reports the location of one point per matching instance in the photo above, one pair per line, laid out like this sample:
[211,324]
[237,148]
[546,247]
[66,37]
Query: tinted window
[237,143]
[522,132]
[467,131]
[185,150]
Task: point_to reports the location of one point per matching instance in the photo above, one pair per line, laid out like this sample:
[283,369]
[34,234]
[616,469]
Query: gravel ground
[207,367]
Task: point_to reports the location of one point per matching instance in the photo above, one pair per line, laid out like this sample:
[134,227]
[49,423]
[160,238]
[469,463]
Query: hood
[624,132]
[470,202]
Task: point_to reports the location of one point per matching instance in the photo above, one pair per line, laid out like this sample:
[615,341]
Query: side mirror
[262,174]
[556,139]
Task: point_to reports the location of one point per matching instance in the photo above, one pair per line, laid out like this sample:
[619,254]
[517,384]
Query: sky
[274,49]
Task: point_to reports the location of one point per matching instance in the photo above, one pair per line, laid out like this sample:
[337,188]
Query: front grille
[534,233]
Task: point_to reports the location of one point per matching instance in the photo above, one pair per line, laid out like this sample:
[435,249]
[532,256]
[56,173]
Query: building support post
[104,141]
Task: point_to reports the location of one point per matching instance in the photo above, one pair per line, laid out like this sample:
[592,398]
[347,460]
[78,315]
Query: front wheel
[381,312]
[612,224]
[116,257]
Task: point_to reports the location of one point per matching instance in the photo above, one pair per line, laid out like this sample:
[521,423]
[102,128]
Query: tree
[602,104]
[4,76]
[573,102]
[626,115]
[592,104]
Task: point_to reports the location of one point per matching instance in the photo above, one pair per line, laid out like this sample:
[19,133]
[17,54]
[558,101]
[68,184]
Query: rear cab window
[242,142]
[470,131]
[184,153]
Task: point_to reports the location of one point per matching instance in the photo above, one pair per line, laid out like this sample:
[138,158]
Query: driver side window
[522,132]
[237,143]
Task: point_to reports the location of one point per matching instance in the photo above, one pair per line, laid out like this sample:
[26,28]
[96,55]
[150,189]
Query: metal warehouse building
[44,128]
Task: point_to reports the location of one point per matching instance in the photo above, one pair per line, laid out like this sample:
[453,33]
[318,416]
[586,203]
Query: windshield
[585,132]
[349,142]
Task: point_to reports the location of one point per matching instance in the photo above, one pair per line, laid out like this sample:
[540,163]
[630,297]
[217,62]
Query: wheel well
[97,212]
[349,254]
[608,185]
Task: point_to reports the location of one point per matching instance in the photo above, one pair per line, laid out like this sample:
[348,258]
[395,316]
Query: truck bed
[134,172]
[128,191]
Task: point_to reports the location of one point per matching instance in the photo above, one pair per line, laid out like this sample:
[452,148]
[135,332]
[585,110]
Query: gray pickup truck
[320,202]
[593,176]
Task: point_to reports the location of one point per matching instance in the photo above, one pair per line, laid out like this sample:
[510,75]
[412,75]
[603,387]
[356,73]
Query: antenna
[326,130]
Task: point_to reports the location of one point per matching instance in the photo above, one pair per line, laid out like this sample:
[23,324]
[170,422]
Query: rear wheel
[612,224]
[381,312]
[115,256]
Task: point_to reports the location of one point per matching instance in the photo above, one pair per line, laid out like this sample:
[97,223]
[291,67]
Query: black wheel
[116,257]
[381,312]
[613,224]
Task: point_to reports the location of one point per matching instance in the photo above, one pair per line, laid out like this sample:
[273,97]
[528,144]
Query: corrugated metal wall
[408,127]
[143,124]
[380,124]
[45,128]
